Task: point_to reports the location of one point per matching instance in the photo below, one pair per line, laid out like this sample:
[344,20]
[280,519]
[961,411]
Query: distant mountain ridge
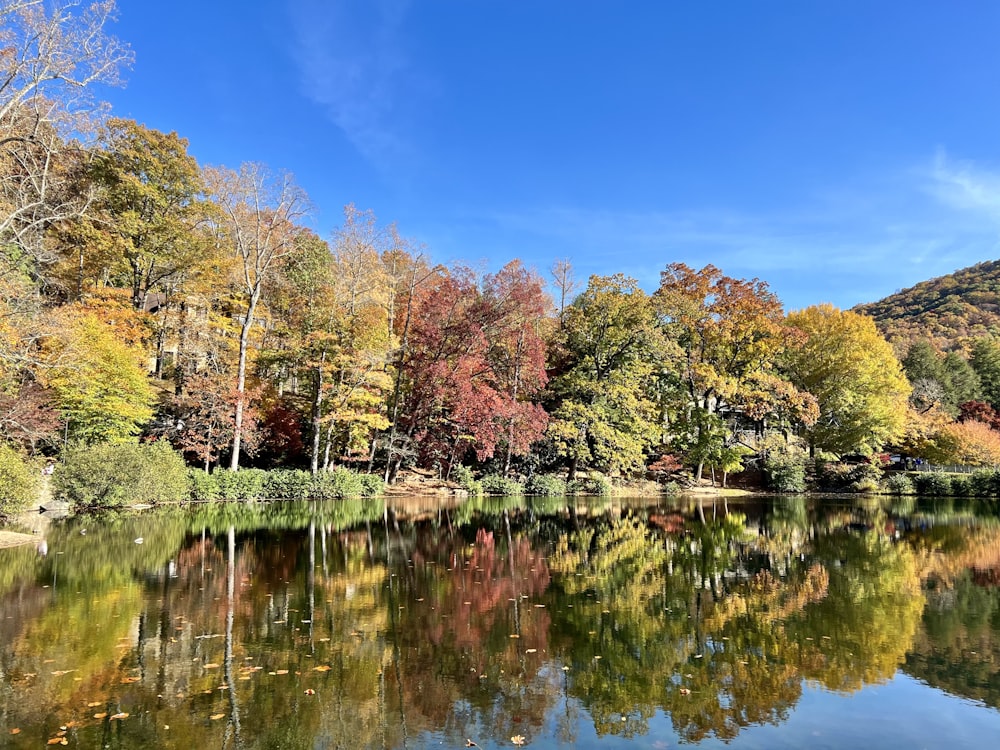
[951,311]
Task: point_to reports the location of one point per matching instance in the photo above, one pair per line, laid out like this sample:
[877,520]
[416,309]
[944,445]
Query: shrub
[339,483]
[495,484]
[288,484]
[545,485]
[371,485]
[19,481]
[933,483]
[244,484]
[897,484]
[463,476]
[202,485]
[785,472]
[111,476]
[961,485]
[594,485]
[983,483]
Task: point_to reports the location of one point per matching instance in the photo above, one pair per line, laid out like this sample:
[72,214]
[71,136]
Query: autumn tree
[602,413]
[98,377]
[842,359]
[985,360]
[260,220]
[52,53]
[730,333]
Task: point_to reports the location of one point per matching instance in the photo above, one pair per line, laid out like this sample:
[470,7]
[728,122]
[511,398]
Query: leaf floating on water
[514,635]
[310,691]
[322,668]
[281,671]
[129,680]
[101,715]
[216,717]
[15,730]
[119,716]
[61,672]
[685,691]
[95,704]
[58,741]
[213,665]
[531,651]
[518,740]
[470,743]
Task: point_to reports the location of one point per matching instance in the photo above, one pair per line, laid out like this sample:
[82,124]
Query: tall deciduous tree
[100,384]
[50,54]
[844,361]
[603,414]
[730,333]
[261,213]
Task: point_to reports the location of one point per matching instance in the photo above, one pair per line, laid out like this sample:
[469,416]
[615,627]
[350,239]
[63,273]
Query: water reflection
[356,625]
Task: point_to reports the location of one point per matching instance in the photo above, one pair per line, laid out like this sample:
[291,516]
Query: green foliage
[545,485]
[785,472]
[495,484]
[18,481]
[463,476]
[897,484]
[933,483]
[983,483]
[112,476]
[282,484]
[961,485]
[597,485]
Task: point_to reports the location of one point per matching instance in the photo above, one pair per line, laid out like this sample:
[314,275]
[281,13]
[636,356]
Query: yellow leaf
[214,717]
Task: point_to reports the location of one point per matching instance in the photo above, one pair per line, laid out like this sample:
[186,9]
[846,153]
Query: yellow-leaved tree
[842,359]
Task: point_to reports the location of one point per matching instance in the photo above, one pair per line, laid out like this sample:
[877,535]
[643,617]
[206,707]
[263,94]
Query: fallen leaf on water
[531,650]
[213,665]
[129,680]
[122,715]
[61,672]
[685,691]
[15,730]
[517,739]
[310,691]
[281,671]
[322,668]
[470,743]
[58,741]
[94,704]
[514,635]
[100,715]
[214,717]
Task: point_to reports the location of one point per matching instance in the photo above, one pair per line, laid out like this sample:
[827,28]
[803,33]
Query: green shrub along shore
[115,476]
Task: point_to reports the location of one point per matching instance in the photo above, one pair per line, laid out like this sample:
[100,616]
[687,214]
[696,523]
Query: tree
[730,333]
[945,380]
[151,206]
[971,443]
[260,212]
[985,360]
[844,361]
[51,54]
[566,284]
[602,412]
[98,378]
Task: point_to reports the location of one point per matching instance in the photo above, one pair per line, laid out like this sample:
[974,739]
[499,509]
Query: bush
[785,472]
[961,485]
[932,483]
[494,484]
[244,484]
[202,485]
[463,476]
[897,484]
[111,476]
[339,483]
[594,485]
[545,485]
[288,484]
[983,483]
[371,485]
[19,481]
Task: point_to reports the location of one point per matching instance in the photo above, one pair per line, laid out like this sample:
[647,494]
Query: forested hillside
[950,311]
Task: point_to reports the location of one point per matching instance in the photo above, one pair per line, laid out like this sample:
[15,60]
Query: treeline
[146,297]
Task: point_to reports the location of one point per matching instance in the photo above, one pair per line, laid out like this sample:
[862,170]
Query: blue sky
[837,149]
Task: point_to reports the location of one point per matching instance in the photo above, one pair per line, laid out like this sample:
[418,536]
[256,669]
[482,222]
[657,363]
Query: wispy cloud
[852,244]
[352,63]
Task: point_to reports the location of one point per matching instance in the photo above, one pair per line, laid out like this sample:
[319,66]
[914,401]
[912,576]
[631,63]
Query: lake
[587,623]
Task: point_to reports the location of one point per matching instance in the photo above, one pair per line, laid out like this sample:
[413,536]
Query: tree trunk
[241,379]
[316,413]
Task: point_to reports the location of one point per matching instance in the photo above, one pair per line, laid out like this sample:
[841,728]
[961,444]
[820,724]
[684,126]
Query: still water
[780,623]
